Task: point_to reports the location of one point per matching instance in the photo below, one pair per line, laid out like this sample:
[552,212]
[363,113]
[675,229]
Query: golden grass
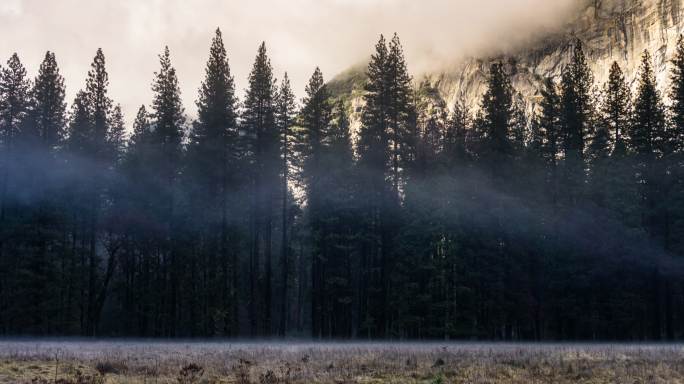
[280,363]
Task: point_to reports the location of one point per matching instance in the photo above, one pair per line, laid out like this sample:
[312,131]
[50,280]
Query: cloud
[300,34]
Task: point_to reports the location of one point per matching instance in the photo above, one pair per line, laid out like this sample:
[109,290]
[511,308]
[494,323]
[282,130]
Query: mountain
[611,30]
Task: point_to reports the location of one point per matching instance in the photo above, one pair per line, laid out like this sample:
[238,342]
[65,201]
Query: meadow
[88,362]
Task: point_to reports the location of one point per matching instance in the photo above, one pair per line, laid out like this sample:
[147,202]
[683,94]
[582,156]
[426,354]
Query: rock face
[611,30]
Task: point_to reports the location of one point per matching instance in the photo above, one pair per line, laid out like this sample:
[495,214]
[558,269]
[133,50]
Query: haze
[300,34]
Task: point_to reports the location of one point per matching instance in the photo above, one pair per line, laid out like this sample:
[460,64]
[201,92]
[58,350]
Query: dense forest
[268,216]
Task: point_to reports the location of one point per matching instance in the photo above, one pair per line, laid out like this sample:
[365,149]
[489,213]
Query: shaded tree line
[266,216]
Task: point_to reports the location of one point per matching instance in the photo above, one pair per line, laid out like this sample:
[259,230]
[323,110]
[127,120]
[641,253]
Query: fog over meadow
[300,34]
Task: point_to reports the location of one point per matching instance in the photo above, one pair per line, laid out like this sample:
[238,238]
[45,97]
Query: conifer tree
[399,95]
[212,167]
[80,125]
[550,122]
[213,138]
[168,116]
[428,139]
[677,97]
[41,135]
[497,120]
[647,140]
[647,136]
[373,148]
[550,138]
[14,106]
[49,110]
[15,91]
[315,124]
[373,143]
[455,145]
[616,109]
[577,118]
[116,136]
[519,129]
[675,161]
[340,136]
[263,152]
[141,131]
[89,132]
[99,103]
[339,221]
[285,114]
[168,121]
[608,147]
[135,162]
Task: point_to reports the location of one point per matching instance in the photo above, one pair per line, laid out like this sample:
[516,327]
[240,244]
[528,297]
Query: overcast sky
[299,34]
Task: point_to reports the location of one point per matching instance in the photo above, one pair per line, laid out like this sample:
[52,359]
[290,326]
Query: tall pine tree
[263,152]
[285,113]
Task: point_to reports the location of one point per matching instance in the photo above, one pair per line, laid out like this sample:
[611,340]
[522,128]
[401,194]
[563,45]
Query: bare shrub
[79,378]
[110,367]
[190,374]
[241,371]
[269,377]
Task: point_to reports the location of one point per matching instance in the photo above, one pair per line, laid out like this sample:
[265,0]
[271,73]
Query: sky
[299,34]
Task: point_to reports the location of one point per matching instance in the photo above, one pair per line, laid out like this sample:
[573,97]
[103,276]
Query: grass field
[83,362]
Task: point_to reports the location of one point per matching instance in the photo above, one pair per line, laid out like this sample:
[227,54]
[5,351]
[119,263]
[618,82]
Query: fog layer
[300,34]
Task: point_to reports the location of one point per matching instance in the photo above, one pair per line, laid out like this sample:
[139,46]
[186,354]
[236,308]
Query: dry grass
[284,363]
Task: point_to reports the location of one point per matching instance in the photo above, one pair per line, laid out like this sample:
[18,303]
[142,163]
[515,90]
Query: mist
[300,34]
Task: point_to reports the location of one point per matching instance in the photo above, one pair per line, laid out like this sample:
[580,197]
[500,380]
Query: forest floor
[87,362]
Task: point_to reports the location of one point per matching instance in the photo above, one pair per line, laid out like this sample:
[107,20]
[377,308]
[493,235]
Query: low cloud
[300,34]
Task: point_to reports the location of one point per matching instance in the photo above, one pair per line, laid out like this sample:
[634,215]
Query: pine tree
[607,150]
[168,121]
[42,135]
[141,131]
[212,177]
[49,110]
[116,136]
[550,123]
[373,148]
[458,125]
[100,104]
[497,121]
[677,97]
[373,143]
[675,160]
[339,220]
[263,147]
[340,136]
[14,258]
[88,134]
[577,118]
[213,140]
[399,95]
[168,116]
[616,109]
[550,137]
[14,106]
[429,137]
[80,125]
[519,123]
[285,114]
[648,141]
[15,91]
[315,124]
[647,136]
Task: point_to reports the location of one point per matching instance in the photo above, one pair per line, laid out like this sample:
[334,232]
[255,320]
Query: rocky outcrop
[611,30]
